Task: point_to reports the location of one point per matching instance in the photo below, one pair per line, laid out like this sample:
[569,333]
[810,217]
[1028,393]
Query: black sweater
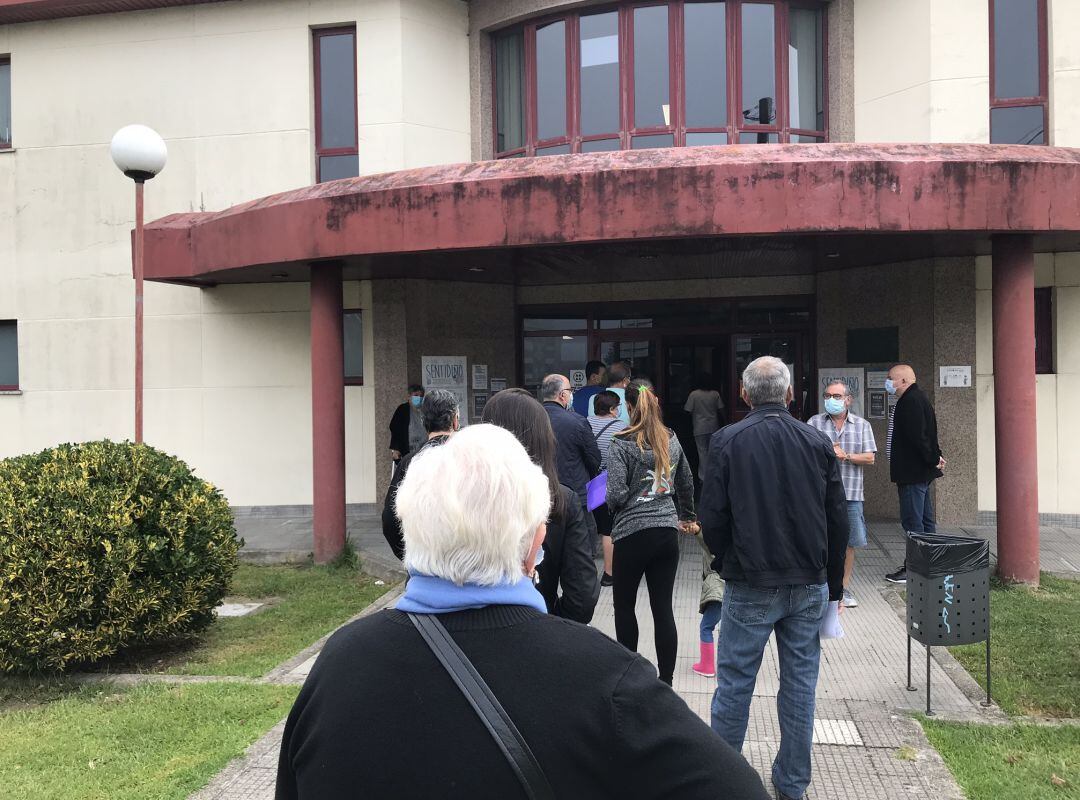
[380,717]
[773,507]
[914,454]
[568,563]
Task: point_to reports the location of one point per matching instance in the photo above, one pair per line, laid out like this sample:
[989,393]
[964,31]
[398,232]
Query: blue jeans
[709,619]
[750,616]
[916,508]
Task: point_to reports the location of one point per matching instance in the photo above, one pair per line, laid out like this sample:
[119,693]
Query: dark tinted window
[353,329]
[706,65]
[1016,48]
[759,63]
[1017,125]
[652,103]
[873,345]
[551,81]
[331,168]
[337,89]
[1044,331]
[510,84]
[599,73]
[9,355]
[5,102]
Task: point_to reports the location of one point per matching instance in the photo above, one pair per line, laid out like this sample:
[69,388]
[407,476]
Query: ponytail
[647,425]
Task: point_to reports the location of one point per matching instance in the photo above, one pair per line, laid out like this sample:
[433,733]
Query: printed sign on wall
[450,373]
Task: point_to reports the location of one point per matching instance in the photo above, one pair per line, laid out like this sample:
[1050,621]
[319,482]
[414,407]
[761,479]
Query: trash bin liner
[948,589]
[934,555]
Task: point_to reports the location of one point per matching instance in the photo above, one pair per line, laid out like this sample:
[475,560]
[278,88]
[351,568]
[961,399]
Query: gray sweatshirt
[636,499]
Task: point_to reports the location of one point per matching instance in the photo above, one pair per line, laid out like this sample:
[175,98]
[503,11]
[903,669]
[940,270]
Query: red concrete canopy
[632,195]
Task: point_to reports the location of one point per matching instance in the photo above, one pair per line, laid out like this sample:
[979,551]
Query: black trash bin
[948,595]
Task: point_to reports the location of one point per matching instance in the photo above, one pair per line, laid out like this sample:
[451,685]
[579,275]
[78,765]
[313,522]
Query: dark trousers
[916,508]
[652,553]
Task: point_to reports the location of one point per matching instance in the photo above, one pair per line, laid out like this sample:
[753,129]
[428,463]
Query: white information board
[480,377]
[450,373]
[955,377]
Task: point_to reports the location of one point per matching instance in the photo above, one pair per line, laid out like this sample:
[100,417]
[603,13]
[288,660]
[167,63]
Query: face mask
[890,387]
[833,406]
[416,401]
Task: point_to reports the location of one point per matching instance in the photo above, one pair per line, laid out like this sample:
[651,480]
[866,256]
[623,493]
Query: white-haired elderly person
[380,715]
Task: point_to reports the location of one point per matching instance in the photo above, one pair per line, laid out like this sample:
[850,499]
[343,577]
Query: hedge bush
[105,545]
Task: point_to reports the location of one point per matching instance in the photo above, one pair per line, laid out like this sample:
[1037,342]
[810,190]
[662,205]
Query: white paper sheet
[830,623]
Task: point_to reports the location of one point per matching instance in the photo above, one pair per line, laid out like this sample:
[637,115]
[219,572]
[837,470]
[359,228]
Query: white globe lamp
[139,152]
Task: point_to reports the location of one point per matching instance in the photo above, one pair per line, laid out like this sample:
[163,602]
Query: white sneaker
[849,600]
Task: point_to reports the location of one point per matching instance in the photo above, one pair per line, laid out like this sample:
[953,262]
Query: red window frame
[317,34]
[12,387]
[677,128]
[353,380]
[1040,100]
[1044,331]
[5,144]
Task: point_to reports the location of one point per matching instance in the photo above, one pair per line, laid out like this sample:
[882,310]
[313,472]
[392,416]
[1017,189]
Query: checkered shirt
[855,437]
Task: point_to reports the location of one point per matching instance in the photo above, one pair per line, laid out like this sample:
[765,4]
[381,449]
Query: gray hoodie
[636,498]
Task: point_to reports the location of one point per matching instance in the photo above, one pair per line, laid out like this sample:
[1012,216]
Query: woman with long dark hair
[568,547]
[650,492]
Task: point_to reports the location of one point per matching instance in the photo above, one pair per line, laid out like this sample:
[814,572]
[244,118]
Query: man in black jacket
[578,457]
[441,416]
[914,455]
[774,512]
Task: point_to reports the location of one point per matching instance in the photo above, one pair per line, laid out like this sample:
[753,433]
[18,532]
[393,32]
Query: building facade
[260,97]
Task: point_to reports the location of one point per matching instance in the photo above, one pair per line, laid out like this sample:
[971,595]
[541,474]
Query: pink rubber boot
[707,665]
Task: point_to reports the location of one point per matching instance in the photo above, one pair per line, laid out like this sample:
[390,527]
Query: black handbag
[487,707]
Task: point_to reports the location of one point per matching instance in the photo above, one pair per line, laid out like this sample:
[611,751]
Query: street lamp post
[140,154]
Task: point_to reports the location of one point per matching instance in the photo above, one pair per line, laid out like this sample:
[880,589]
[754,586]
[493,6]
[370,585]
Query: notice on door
[450,373]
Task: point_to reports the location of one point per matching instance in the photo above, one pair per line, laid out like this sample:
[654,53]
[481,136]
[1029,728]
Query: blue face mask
[416,401]
[889,386]
[833,406]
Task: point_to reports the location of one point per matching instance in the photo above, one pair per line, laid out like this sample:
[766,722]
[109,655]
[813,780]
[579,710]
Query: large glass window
[5,102]
[9,355]
[336,152]
[1018,72]
[353,335]
[660,75]
[510,87]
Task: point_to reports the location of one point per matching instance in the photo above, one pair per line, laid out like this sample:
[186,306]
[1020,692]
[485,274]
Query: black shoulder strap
[487,707]
[600,433]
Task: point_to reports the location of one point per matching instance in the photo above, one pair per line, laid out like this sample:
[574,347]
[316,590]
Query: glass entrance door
[791,348]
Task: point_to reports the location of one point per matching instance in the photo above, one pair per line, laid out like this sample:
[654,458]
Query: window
[5,102]
[9,355]
[1018,72]
[1044,331]
[336,134]
[353,334]
[662,75]
[873,345]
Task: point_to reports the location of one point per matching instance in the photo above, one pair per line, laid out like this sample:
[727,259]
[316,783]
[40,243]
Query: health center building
[365,194]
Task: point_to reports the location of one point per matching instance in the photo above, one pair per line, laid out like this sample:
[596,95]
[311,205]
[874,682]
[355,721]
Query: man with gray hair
[774,513]
[577,456]
[442,417]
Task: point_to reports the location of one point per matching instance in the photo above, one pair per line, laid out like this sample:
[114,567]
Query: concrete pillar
[327,411]
[1014,408]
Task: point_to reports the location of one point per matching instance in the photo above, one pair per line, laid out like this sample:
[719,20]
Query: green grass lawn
[1015,762]
[306,603]
[154,741]
[1035,648]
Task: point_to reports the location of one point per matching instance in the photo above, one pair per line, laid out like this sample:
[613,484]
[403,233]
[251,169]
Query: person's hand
[840,608]
[395,454]
[941,463]
[839,452]
[690,527]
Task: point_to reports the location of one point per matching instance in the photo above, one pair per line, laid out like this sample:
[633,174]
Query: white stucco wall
[230,88]
[1058,425]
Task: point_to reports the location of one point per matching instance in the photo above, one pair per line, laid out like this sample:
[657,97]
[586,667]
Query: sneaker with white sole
[900,576]
[849,600]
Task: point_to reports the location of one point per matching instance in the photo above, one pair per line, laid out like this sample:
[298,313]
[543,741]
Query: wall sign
[480,377]
[447,372]
[577,378]
[955,377]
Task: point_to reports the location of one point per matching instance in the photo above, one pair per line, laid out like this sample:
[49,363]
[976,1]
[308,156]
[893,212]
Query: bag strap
[596,436]
[487,707]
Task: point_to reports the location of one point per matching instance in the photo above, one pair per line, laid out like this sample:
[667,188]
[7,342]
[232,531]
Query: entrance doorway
[678,345]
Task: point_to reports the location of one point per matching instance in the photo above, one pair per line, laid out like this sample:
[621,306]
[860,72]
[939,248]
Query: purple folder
[596,491]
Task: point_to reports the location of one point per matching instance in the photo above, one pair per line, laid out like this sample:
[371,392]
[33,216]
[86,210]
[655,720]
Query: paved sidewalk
[866,747]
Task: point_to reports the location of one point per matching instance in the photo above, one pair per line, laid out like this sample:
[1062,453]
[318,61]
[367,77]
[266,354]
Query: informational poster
[577,378]
[479,402]
[479,377]
[854,377]
[498,384]
[450,373]
[877,399]
[955,377]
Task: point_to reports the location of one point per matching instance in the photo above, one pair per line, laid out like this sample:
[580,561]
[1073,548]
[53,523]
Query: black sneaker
[607,580]
[900,576]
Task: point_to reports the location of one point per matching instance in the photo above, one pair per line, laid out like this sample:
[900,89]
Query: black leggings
[653,553]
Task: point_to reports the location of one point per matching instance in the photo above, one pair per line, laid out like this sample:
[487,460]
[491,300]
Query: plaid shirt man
[856,436]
